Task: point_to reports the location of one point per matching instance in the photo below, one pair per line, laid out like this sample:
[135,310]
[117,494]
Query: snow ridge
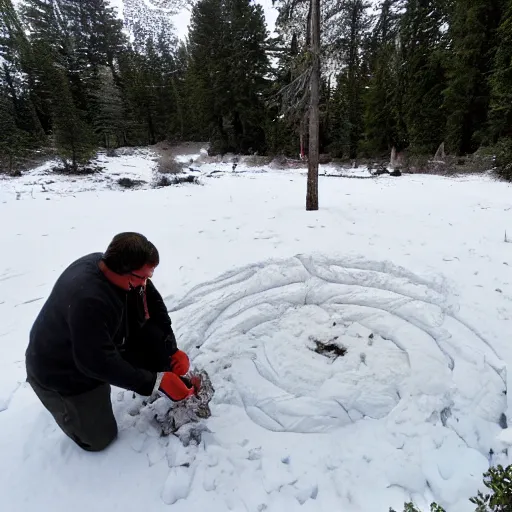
[414,372]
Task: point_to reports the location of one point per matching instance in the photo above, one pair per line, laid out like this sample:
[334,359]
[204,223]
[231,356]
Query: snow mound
[363,350]
[405,347]
[352,172]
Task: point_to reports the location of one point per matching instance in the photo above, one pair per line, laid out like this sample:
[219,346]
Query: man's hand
[180,363]
[174,388]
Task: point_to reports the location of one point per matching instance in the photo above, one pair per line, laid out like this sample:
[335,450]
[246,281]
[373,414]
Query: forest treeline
[408,74]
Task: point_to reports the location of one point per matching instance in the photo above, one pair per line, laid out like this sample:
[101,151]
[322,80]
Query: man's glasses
[142,278]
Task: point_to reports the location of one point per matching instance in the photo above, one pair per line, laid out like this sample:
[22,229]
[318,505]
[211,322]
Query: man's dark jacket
[76,339]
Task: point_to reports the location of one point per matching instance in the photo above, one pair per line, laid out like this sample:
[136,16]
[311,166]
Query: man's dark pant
[87,418]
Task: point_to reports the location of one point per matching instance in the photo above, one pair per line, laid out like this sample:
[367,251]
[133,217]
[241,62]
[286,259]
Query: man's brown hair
[130,251]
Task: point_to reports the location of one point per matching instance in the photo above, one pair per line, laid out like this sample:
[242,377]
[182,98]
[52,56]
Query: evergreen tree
[103,34]
[15,84]
[473,35]
[165,93]
[11,138]
[94,38]
[428,71]
[180,123]
[347,107]
[423,46]
[248,66]
[501,80]
[78,36]
[133,84]
[109,121]
[207,71]
[146,81]
[73,137]
[44,22]
[227,71]
[285,124]
[48,41]
[383,116]
[501,96]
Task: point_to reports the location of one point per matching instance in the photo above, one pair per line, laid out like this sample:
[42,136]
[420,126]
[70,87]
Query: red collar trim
[116,279]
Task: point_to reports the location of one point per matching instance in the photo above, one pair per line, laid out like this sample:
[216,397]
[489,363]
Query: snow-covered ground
[411,275]
[140,166]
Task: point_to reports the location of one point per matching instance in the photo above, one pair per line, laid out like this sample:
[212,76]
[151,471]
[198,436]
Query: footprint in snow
[178,484]
[307,492]
[28,301]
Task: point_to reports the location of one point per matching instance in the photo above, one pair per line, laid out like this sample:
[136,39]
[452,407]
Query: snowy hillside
[151,14]
[359,354]
[152,17]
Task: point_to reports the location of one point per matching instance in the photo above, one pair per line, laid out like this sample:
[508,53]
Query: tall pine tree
[109,115]
[21,126]
[347,110]
[473,49]
[73,136]
[285,126]
[423,46]
[501,80]
[383,100]
[147,82]
[11,137]
[227,72]
[78,36]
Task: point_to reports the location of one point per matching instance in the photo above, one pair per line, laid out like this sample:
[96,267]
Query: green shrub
[409,507]
[498,480]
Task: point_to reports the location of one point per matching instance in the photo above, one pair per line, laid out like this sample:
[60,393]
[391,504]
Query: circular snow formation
[268,335]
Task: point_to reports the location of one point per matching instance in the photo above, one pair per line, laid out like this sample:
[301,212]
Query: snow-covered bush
[166,181]
[168,165]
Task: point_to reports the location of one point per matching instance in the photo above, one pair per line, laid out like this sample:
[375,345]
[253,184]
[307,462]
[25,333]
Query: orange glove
[180,363]
[174,387]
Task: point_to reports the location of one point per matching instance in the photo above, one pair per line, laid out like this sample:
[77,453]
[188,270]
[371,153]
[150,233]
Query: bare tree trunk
[314,117]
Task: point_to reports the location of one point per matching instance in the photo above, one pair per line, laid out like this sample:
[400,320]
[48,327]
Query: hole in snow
[329,349]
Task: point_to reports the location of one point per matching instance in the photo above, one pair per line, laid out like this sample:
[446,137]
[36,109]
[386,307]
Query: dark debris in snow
[329,349]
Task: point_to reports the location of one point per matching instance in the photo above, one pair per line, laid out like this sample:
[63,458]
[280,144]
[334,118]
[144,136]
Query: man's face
[138,278]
